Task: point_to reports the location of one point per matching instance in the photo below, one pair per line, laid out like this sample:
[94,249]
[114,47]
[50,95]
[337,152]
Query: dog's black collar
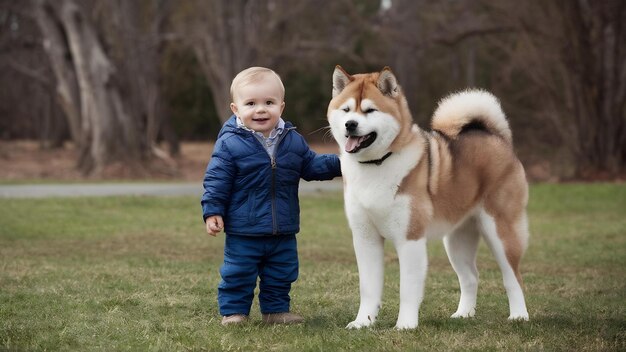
[377,161]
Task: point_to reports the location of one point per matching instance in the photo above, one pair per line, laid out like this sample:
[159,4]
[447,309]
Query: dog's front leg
[413,267]
[368,246]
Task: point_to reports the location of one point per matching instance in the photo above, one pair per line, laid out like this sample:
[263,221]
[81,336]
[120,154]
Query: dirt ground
[26,161]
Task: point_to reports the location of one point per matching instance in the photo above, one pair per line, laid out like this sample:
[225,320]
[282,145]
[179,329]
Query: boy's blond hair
[252,75]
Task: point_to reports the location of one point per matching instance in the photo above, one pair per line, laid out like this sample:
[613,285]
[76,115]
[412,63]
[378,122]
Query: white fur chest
[371,192]
[370,188]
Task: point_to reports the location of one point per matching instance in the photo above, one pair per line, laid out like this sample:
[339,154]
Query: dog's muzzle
[355,141]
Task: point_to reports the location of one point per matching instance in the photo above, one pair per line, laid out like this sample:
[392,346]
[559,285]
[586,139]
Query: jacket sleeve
[319,167]
[218,181]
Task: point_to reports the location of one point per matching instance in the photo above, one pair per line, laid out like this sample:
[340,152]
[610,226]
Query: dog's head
[368,113]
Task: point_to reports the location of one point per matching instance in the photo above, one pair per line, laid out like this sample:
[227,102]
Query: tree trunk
[228,36]
[597,60]
[573,53]
[214,45]
[57,50]
[143,46]
[87,88]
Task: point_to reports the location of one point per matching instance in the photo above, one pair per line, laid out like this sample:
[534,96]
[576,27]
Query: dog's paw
[359,324]
[463,314]
[519,316]
[405,326]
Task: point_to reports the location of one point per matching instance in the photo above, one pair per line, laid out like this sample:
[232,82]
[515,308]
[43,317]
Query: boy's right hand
[214,224]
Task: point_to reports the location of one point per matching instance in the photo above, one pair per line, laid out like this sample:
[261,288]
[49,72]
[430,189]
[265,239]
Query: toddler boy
[251,191]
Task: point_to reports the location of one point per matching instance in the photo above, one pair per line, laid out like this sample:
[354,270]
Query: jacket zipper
[274,167]
[273,188]
[273,194]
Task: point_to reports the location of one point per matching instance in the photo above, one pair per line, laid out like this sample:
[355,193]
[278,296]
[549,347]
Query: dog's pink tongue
[353,143]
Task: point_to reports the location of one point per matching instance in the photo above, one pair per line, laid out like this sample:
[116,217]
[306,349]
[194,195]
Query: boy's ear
[233,108]
[340,80]
[282,108]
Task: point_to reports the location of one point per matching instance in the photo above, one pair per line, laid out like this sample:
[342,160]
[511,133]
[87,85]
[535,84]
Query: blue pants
[272,259]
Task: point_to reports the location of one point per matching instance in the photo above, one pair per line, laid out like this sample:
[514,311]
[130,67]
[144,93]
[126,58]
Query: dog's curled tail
[471,109]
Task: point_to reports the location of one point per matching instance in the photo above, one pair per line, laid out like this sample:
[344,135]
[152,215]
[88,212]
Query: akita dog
[458,182]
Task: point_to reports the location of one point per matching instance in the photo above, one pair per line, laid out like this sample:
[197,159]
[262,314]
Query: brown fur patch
[506,205]
[499,182]
[416,185]
[473,168]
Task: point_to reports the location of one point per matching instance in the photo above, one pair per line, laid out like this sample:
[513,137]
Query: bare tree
[574,53]
[107,75]
[26,75]
[140,31]
[89,96]
[433,47]
[228,36]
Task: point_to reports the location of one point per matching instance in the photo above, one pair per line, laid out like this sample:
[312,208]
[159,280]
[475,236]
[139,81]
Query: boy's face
[259,105]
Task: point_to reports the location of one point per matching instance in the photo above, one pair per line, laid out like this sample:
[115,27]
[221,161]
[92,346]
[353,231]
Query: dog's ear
[340,80]
[387,83]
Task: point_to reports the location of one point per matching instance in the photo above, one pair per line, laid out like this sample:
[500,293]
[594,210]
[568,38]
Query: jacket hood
[229,127]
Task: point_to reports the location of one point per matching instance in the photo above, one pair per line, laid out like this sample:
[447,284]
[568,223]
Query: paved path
[147,189]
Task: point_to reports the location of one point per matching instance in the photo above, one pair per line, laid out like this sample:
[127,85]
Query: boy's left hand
[214,224]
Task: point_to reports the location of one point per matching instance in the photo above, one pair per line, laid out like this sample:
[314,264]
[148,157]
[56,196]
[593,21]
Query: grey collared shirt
[269,143]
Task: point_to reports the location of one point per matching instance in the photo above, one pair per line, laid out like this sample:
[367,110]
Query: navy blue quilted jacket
[254,193]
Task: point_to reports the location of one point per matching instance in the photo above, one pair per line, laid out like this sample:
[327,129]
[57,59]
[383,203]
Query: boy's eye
[250,103]
[269,102]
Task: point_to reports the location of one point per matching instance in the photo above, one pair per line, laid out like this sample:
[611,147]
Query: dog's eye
[346,109]
[370,110]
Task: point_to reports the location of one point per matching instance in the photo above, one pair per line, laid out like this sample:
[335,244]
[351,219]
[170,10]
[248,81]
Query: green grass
[138,273]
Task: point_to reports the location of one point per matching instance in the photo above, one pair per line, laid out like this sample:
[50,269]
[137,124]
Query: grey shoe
[234,319]
[282,318]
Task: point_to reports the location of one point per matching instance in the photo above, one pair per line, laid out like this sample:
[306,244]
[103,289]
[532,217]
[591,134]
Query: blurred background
[140,88]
